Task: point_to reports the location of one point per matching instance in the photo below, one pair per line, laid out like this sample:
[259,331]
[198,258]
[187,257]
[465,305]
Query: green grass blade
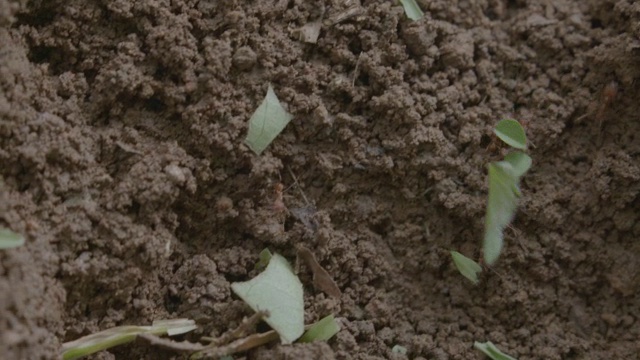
[512,133]
[119,335]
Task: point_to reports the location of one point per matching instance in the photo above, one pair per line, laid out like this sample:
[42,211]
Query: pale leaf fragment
[278,291]
[266,123]
[467,267]
[492,351]
[512,133]
[10,239]
[412,9]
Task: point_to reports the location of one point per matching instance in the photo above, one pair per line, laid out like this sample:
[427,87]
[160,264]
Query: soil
[123,164]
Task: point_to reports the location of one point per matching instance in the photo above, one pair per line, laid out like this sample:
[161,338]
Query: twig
[240,345]
[242,329]
[295,180]
[168,344]
[321,278]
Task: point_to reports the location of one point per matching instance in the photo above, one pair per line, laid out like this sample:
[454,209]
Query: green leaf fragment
[412,9]
[269,119]
[119,335]
[278,291]
[323,330]
[512,133]
[492,351]
[263,259]
[467,267]
[520,162]
[501,207]
[399,349]
[10,239]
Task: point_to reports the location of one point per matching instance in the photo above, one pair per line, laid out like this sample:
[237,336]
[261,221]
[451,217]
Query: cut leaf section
[278,291]
[492,351]
[263,259]
[512,133]
[119,335]
[323,330]
[310,32]
[467,267]
[520,162]
[412,9]
[399,349]
[10,239]
[501,207]
[266,122]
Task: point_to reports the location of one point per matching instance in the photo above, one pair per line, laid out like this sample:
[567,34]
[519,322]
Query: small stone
[175,174]
[244,59]
[627,320]
[610,319]
[224,204]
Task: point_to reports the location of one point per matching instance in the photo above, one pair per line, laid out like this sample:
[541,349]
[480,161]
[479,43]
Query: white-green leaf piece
[412,9]
[492,351]
[399,349]
[501,207]
[10,239]
[278,291]
[323,330]
[512,133]
[467,267]
[266,123]
[520,162]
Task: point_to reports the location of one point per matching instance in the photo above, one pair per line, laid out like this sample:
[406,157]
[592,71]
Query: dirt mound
[122,162]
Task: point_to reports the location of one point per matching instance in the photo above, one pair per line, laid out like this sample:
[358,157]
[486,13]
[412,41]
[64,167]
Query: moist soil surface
[123,163]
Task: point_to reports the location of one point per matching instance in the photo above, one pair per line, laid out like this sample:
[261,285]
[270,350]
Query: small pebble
[244,59]
[175,174]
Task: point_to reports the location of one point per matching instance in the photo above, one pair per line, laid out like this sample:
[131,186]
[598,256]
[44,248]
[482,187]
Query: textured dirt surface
[123,164]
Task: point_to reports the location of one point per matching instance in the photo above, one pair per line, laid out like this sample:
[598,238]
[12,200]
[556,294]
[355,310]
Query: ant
[278,201]
[608,95]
